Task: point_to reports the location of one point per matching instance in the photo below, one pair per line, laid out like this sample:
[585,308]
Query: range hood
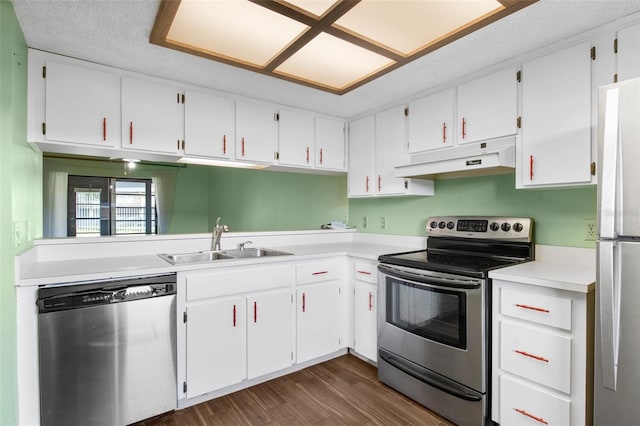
[476,159]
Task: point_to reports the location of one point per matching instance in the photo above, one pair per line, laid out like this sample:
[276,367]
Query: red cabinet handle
[224,144]
[531,416]
[379,183]
[304,302]
[320,155]
[370,301]
[367,184]
[255,311]
[444,132]
[533,308]
[234,315]
[539,358]
[130,132]
[307,155]
[104,128]
[464,128]
[320,273]
[363,272]
[243,147]
[531,167]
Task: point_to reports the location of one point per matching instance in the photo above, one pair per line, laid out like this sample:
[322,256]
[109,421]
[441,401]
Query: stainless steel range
[434,316]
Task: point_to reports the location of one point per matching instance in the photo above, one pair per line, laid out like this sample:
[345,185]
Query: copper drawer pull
[364,272]
[533,308]
[531,416]
[539,358]
[370,301]
[320,273]
[444,132]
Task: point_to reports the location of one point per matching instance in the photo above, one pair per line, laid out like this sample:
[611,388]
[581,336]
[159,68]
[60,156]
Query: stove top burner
[470,245]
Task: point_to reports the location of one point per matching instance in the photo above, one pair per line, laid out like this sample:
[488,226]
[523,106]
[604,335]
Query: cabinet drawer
[308,273]
[201,285]
[539,356]
[542,309]
[365,271]
[522,405]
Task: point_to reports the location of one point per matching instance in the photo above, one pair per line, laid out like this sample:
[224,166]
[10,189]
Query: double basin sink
[212,256]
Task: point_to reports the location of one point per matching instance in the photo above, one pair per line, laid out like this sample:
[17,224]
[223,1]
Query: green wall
[558,213]
[20,192]
[262,200]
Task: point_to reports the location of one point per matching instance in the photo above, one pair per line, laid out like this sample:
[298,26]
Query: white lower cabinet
[238,325]
[542,362]
[269,332]
[216,354]
[365,331]
[319,309]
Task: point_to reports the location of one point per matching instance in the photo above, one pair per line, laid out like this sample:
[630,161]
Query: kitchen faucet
[217,234]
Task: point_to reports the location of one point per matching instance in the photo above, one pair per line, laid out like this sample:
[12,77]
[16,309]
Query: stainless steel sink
[196,257]
[254,252]
[210,256]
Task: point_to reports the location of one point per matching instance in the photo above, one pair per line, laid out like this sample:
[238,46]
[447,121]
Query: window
[110,206]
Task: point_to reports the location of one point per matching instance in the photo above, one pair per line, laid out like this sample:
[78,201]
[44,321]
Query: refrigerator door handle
[609,307]
[609,170]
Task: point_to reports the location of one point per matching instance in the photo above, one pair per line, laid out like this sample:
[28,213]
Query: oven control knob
[433,224]
[494,226]
[450,225]
[505,227]
[441,225]
[517,227]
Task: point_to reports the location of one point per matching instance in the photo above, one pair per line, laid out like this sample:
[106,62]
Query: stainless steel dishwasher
[107,351]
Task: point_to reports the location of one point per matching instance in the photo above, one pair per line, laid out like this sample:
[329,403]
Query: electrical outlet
[17,234]
[383,222]
[365,222]
[590,230]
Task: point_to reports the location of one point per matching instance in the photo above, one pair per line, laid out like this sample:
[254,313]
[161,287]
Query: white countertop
[100,268]
[563,268]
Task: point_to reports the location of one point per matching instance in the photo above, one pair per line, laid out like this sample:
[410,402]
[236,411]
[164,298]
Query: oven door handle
[442,282]
[430,378]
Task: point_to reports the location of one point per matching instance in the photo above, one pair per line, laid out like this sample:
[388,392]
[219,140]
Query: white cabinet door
[209,125]
[152,116]
[82,105]
[256,132]
[556,119]
[318,324]
[270,322]
[295,138]
[216,344]
[487,107]
[628,53]
[431,122]
[329,144]
[390,151]
[364,320]
[361,151]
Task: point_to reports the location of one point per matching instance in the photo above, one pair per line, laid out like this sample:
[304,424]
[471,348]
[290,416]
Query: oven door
[434,320]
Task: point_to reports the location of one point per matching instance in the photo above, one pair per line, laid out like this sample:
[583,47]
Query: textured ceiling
[116,33]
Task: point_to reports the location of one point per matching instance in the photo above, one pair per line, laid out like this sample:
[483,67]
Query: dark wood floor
[342,391]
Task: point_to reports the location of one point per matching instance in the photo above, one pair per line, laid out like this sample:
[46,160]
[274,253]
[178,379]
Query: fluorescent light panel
[332,45]
[220,163]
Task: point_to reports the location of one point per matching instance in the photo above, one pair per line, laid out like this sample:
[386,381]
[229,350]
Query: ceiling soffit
[331,45]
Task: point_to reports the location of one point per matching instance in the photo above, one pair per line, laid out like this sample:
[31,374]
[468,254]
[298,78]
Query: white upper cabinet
[82,105]
[555,147]
[329,141]
[487,107]
[431,122]
[296,138]
[628,52]
[152,116]
[361,165]
[390,151]
[209,125]
[256,132]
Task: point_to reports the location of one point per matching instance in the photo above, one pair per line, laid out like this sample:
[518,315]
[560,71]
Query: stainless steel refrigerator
[617,327]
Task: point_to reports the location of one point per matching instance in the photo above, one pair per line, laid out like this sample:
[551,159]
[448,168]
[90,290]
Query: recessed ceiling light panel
[236,29]
[317,7]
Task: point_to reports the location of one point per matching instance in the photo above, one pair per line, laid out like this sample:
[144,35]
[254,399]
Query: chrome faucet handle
[241,245]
